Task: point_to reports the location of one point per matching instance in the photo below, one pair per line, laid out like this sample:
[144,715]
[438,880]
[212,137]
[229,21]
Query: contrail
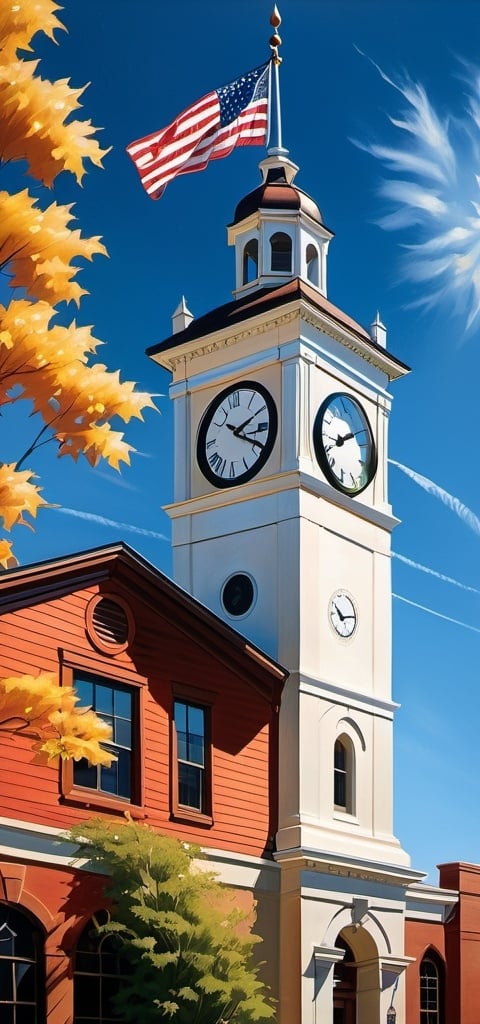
[454,504]
[103,521]
[438,615]
[433,572]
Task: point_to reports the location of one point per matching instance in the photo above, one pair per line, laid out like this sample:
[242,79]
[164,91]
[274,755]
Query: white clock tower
[281,524]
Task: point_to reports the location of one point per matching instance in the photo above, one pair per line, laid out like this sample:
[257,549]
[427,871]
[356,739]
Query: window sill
[100,802]
[342,815]
[190,816]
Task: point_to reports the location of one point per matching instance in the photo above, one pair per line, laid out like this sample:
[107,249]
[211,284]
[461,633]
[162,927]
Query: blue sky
[146,62]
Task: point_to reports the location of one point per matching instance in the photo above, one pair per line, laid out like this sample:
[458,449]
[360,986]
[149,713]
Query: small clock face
[344,444]
[343,614]
[237,434]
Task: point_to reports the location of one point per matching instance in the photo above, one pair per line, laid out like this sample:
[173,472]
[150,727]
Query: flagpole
[276,112]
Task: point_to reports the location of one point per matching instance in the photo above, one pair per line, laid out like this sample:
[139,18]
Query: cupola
[278,233]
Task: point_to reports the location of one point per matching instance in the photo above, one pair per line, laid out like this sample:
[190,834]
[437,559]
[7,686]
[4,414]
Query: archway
[345,986]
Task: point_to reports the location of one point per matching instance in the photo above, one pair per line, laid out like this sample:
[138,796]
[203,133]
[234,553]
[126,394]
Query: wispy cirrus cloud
[432,192]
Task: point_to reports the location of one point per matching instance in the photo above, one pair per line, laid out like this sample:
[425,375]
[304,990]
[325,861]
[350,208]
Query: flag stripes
[200,133]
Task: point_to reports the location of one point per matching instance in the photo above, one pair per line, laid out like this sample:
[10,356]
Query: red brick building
[194,711]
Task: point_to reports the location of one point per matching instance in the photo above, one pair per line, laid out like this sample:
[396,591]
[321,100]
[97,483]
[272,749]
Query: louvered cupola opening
[278,233]
[109,624]
[281,246]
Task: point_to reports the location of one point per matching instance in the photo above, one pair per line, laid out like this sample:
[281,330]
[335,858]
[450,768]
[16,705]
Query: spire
[275,145]
[378,331]
[277,164]
[181,317]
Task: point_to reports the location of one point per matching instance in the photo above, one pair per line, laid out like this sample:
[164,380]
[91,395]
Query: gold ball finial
[275,19]
[275,40]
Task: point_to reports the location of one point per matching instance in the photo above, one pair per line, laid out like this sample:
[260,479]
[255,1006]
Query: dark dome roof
[276,193]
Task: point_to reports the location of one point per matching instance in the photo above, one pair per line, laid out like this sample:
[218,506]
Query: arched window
[22,989]
[250,261]
[281,245]
[431,989]
[98,974]
[312,264]
[343,770]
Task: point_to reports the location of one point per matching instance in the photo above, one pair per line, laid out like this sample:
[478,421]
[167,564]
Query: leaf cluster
[189,950]
[37,707]
[48,365]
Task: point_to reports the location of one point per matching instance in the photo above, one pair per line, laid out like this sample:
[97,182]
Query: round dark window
[238,594]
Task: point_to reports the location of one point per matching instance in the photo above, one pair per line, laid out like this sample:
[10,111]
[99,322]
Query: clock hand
[250,438]
[341,617]
[241,426]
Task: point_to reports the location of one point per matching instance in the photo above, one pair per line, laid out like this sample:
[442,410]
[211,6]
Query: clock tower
[281,525]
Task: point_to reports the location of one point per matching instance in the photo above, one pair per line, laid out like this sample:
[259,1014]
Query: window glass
[115,704]
[340,775]
[21,1000]
[430,995]
[190,730]
[98,973]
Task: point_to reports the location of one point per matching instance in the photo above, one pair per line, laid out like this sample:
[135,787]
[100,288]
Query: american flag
[235,115]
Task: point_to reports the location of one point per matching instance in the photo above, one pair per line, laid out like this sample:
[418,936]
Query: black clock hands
[339,440]
[237,432]
[340,614]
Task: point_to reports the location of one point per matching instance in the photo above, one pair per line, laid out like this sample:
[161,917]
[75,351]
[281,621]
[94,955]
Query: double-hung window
[191,776]
[116,704]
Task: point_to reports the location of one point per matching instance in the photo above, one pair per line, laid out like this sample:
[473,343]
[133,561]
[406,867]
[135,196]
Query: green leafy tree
[190,952]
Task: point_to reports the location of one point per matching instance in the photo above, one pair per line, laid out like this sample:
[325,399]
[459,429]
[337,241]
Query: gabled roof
[239,310]
[28,585]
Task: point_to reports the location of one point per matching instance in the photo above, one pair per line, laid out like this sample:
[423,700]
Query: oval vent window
[109,623]
[238,594]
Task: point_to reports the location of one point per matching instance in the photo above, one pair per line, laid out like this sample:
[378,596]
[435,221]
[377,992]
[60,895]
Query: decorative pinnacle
[275,40]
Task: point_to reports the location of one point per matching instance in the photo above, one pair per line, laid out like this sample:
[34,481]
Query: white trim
[344,696]
[28,842]
[279,483]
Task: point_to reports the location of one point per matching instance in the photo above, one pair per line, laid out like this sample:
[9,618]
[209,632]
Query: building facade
[271,650]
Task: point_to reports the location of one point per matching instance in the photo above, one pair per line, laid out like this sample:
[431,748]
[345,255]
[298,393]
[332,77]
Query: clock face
[237,434]
[344,444]
[343,614]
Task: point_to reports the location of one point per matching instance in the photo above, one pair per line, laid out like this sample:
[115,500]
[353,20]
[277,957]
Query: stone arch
[367,940]
[351,728]
[14,890]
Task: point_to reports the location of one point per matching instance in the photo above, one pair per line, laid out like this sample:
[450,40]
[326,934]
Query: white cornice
[348,867]
[279,483]
[262,323]
[345,696]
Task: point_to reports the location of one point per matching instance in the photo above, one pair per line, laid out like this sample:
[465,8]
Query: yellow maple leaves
[18,494]
[39,708]
[38,247]
[21,19]
[44,362]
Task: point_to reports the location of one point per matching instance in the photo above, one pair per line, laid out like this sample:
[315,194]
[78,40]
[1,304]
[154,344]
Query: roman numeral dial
[237,434]
[344,444]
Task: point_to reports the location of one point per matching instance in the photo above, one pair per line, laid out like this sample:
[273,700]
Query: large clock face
[344,443]
[237,434]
